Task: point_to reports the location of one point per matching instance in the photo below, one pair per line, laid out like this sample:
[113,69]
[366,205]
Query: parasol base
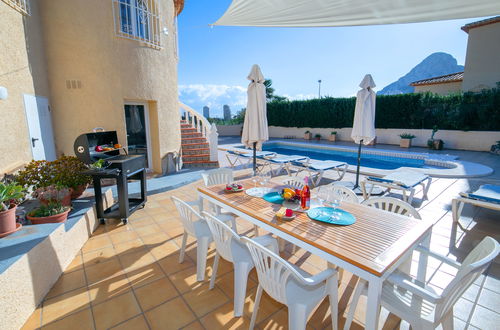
[377,191]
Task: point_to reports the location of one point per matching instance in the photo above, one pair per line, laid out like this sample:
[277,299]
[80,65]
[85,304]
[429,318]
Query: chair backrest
[273,271]
[343,193]
[224,236]
[294,182]
[472,267]
[393,205]
[217,176]
[187,215]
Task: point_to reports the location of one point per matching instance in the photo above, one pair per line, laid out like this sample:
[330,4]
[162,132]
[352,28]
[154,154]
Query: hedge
[464,111]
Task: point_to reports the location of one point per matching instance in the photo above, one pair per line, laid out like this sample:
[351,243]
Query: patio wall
[44,253]
[472,140]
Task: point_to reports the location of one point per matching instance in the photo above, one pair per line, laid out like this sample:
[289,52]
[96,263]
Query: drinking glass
[264,178]
[333,201]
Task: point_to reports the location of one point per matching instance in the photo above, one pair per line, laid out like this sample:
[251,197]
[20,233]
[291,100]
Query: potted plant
[333,136]
[307,135]
[66,171]
[9,195]
[317,136]
[435,144]
[53,212]
[405,141]
[54,193]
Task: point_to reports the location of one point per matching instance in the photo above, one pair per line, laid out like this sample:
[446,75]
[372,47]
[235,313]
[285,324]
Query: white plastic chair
[418,303]
[230,247]
[393,205]
[196,226]
[292,286]
[293,182]
[343,193]
[215,177]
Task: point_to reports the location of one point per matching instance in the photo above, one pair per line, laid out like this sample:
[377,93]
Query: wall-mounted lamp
[165,31]
[3,93]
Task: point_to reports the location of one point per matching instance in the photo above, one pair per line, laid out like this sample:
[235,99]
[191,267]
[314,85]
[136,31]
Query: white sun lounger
[283,162]
[317,168]
[406,181]
[487,196]
[245,156]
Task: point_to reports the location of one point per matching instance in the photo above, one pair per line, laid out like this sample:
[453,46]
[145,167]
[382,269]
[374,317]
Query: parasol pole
[356,185]
[254,158]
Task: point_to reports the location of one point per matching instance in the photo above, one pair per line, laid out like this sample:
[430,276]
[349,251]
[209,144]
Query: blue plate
[331,215]
[273,197]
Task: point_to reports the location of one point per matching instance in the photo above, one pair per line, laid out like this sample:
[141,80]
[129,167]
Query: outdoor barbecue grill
[118,166]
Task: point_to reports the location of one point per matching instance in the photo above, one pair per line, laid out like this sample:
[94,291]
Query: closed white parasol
[255,129]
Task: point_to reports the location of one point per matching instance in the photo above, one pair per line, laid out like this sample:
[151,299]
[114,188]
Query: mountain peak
[436,64]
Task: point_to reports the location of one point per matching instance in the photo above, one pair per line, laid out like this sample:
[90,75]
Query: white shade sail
[255,125]
[317,13]
[363,127]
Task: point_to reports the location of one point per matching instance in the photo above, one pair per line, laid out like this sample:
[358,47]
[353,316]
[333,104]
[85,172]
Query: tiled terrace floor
[128,276]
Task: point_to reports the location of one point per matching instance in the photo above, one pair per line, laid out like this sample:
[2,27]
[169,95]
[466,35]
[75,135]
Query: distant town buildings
[227,112]
[206,112]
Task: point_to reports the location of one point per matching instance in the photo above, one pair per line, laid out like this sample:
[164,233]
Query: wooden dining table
[371,248]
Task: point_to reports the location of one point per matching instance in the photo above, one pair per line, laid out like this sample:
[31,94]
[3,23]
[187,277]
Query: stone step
[190,135]
[196,145]
[200,164]
[188,129]
[195,151]
[201,157]
[193,140]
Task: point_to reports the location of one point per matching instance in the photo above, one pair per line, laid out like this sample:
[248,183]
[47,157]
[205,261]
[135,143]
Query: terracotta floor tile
[155,210]
[148,230]
[76,263]
[144,221]
[98,256]
[145,275]
[155,293]
[185,280]
[113,311]
[123,236]
[129,247]
[171,263]
[225,282]
[34,321]
[490,300]
[135,260]
[107,289]
[223,318]
[82,320]
[156,238]
[67,282]
[95,243]
[202,300]
[162,250]
[136,323]
[173,314]
[196,325]
[64,305]
[103,271]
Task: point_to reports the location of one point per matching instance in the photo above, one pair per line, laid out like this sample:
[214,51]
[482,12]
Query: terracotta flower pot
[78,191]
[8,220]
[65,201]
[405,143]
[58,218]
[332,137]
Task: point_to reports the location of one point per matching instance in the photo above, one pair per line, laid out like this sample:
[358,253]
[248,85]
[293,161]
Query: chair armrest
[320,277]
[404,282]
[195,203]
[437,256]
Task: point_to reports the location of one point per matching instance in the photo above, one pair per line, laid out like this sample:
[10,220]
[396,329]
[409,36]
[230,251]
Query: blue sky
[215,61]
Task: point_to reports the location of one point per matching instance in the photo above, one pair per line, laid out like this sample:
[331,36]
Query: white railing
[207,130]
[22,6]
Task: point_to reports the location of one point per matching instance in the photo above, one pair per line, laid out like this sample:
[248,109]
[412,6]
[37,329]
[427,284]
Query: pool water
[368,160]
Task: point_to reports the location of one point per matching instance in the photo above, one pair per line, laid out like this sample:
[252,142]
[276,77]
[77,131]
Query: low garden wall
[471,140]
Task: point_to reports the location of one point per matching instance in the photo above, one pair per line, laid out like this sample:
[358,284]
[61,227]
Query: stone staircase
[195,148]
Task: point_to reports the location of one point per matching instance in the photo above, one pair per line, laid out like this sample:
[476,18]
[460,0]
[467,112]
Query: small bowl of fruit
[233,187]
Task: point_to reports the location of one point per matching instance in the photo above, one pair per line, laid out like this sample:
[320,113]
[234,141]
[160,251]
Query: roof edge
[435,80]
[491,20]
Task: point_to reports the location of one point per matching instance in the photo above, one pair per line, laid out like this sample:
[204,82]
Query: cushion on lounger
[405,179]
[487,193]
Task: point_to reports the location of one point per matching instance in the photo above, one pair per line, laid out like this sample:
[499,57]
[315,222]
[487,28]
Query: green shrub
[461,111]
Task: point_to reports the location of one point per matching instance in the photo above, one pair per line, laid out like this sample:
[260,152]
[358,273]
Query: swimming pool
[372,158]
